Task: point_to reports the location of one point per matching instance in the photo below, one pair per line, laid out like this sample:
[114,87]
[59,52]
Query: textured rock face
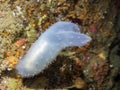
[22,20]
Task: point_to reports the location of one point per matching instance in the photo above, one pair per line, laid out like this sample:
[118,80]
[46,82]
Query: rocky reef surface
[94,66]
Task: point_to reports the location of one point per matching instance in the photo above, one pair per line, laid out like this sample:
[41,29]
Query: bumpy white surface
[58,36]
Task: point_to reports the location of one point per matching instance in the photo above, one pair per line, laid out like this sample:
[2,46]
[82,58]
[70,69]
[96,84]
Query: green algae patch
[13,84]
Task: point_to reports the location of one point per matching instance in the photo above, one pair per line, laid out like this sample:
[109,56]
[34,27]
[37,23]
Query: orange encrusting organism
[14,54]
[12,60]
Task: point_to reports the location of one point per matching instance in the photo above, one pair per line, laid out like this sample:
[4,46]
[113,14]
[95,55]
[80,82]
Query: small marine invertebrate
[20,42]
[58,36]
[93,29]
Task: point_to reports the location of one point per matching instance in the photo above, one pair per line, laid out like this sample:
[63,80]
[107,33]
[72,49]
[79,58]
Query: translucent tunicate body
[58,36]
